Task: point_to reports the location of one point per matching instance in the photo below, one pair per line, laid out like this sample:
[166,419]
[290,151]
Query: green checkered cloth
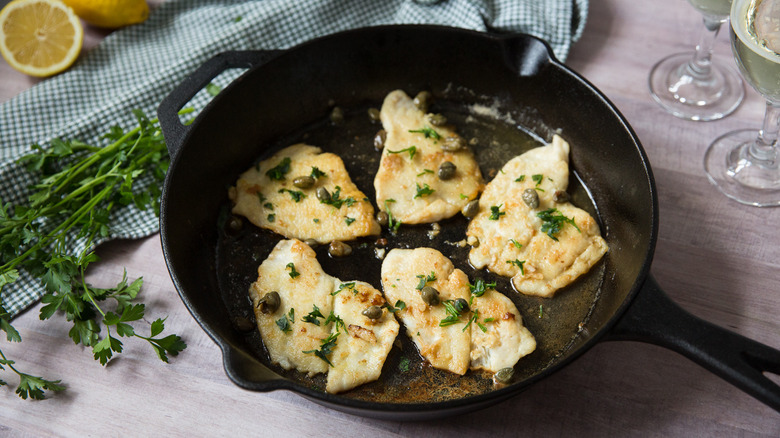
[134,68]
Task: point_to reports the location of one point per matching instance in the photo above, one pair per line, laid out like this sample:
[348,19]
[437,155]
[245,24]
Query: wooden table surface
[716,258]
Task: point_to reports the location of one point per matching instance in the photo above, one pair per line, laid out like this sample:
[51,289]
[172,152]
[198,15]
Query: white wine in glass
[745,164]
[695,86]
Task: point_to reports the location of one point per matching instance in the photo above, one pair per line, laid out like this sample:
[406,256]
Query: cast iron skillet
[508,93]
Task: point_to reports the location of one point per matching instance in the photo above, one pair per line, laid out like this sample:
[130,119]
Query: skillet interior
[288,100]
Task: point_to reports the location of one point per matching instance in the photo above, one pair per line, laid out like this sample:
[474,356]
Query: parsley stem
[61,228]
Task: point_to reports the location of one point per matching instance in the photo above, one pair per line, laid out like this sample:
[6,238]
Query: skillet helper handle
[168,111]
[654,318]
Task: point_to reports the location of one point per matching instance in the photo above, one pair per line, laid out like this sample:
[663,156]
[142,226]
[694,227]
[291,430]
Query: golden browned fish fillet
[407,183]
[509,232]
[320,313]
[266,195]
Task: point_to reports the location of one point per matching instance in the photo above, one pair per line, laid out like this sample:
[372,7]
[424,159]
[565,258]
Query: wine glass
[696,86]
[745,164]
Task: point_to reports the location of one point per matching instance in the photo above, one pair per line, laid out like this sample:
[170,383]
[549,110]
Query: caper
[373,115]
[304,182]
[453,143]
[446,170]
[437,119]
[531,198]
[379,139]
[270,302]
[471,209]
[337,115]
[430,295]
[339,249]
[504,375]
[243,324]
[373,312]
[323,194]
[422,100]
[382,218]
[560,196]
[462,305]
[234,224]
[311,242]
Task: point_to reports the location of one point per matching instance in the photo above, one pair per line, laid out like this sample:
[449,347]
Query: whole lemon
[110,13]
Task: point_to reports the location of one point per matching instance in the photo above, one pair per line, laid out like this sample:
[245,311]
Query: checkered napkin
[134,68]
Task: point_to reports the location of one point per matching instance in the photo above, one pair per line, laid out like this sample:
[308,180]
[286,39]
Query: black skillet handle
[168,111]
[654,318]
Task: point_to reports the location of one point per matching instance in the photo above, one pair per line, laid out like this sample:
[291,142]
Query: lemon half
[40,37]
[110,14]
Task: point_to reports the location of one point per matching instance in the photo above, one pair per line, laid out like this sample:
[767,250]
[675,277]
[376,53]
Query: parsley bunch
[79,187]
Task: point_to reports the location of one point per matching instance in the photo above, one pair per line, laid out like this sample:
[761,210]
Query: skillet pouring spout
[654,318]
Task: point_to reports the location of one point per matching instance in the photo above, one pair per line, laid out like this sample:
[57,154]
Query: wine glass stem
[699,66]
[765,146]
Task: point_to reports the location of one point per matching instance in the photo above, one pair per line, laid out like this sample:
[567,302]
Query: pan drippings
[406,378]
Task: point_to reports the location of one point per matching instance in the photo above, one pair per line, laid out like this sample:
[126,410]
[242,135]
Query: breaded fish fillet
[318,326]
[266,195]
[544,248]
[407,183]
[489,336]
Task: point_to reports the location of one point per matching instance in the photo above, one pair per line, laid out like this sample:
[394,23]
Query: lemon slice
[40,37]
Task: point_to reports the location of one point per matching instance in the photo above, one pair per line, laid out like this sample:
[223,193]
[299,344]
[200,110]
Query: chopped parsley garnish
[284,322]
[516,243]
[411,149]
[424,172]
[399,305]
[428,132]
[338,322]
[349,220]
[342,286]
[326,348]
[495,212]
[403,365]
[261,197]
[473,319]
[293,272]
[424,279]
[336,202]
[313,315]
[425,190]
[553,220]
[277,173]
[462,196]
[454,310]
[541,311]
[295,194]
[392,223]
[520,178]
[487,320]
[316,221]
[519,264]
[271,217]
[268,205]
[538,180]
[316,173]
[480,287]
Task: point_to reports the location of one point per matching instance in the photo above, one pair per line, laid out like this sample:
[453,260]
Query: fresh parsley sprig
[78,189]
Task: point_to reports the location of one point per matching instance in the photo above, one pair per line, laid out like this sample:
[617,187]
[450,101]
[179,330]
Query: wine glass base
[688,96]
[736,174]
